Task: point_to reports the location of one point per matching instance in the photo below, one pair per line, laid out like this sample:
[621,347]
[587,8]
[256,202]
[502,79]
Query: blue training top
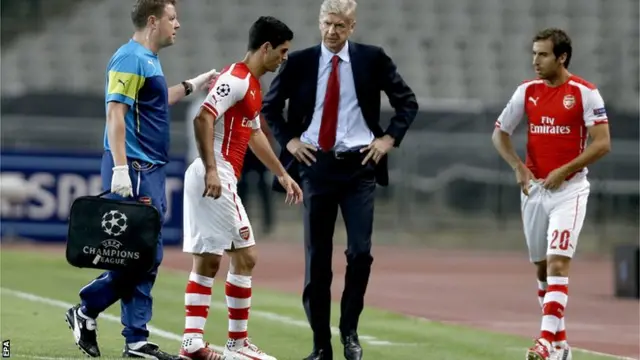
[134,77]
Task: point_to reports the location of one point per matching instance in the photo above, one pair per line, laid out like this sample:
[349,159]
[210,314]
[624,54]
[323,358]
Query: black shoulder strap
[104,193]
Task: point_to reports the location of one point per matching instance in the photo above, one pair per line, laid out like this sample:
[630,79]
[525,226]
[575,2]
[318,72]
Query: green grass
[38,330]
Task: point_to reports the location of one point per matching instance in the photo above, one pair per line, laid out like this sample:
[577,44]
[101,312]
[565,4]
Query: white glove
[202,81]
[121,182]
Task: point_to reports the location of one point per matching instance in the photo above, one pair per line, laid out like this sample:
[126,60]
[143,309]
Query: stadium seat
[461,49]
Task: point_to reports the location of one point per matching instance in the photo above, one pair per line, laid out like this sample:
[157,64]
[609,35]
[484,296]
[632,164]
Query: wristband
[188,88]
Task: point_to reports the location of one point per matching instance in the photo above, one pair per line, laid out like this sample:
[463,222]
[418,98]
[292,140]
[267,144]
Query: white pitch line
[54,358]
[584,351]
[40,357]
[371,340]
[589,352]
[64,305]
[267,315]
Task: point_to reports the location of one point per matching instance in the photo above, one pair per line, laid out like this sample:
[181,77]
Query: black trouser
[329,183]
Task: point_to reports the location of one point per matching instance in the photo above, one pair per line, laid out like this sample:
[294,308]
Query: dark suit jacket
[297,80]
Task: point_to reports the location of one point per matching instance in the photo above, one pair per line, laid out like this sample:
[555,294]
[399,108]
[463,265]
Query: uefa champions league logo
[223,90]
[114,223]
[112,251]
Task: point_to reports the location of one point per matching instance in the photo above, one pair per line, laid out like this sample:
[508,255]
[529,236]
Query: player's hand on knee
[212,185]
[121,182]
[301,151]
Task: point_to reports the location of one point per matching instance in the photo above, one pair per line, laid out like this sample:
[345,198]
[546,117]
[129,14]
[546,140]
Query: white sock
[82,315]
[235,344]
[542,291]
[238,294]
[197,300]
[136,345]
[192,343]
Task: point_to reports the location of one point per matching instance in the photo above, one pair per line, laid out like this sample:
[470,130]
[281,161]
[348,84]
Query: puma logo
[253,94]
[124,84]
[534,101]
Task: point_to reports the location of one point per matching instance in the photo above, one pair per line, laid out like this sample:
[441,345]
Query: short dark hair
[561,42]
[142,9]
[268,29]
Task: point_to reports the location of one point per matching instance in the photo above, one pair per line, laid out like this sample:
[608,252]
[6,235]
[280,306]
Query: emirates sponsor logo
[547,126]
[547,129]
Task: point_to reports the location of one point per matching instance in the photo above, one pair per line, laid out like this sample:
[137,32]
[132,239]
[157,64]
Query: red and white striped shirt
[235,100]
[558,118]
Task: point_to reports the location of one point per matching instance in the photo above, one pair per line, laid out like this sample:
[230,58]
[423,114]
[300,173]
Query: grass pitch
[37,287]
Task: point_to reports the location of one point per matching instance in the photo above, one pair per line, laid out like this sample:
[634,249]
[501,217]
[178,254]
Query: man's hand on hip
[121,182]
[301,151]
[377,149]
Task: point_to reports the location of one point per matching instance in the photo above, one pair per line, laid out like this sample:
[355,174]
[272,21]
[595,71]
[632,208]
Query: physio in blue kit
[136,150]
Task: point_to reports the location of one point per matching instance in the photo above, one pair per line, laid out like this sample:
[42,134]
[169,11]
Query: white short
[213,225]
[552,220]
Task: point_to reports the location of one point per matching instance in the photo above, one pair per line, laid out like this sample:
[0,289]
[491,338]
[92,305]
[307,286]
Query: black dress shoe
[320,355]
[352,348]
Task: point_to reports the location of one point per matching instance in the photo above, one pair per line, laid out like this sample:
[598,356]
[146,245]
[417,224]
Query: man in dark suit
[333,142]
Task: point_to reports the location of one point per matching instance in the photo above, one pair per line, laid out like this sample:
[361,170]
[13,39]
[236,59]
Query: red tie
[329,123]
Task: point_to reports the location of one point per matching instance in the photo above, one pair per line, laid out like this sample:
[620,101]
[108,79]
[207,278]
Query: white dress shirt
[352,129]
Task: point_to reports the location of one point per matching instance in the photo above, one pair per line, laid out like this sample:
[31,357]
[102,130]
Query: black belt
[352,153]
